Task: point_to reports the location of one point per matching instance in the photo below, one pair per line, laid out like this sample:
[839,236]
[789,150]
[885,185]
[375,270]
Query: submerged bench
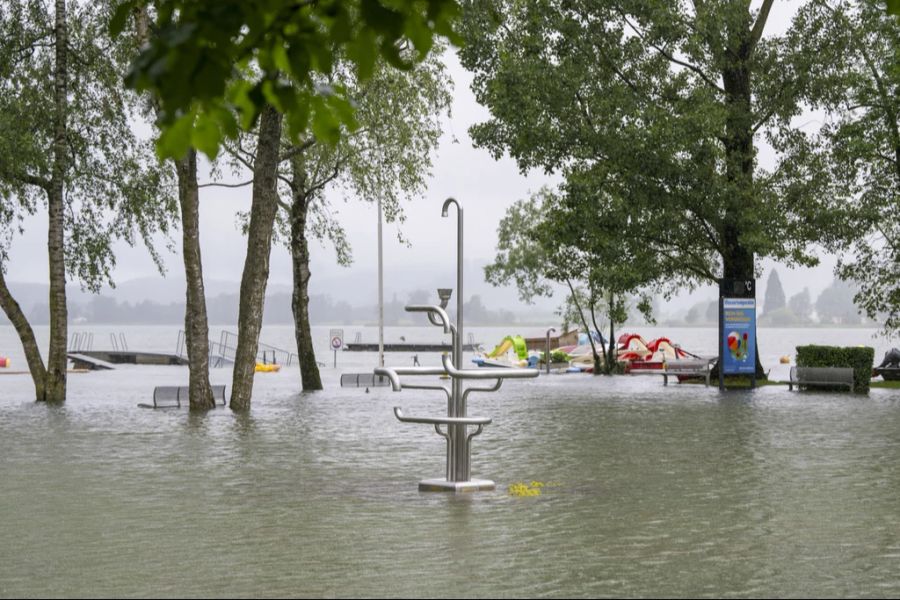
[170,396]
[364,380]
[699,367]
[821,377]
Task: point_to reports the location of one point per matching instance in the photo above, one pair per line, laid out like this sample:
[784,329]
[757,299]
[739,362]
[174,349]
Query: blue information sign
[739,336]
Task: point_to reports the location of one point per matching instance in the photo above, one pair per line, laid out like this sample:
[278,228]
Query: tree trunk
[613,357]
[586,327]
[256,265]
[55,383]
[309,370]
[196,325]
[606,366]
[737,259]
[26,335]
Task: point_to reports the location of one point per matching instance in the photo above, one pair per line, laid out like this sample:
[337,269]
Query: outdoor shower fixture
[457,476]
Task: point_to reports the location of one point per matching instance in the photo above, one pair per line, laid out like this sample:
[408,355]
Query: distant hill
[342,295]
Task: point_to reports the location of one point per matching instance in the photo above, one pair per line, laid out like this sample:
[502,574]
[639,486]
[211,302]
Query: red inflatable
[4,362]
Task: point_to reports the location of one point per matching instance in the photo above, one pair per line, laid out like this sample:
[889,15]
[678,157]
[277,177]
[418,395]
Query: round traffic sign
[336,342]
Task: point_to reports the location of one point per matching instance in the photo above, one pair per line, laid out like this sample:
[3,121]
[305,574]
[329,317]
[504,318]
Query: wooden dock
[107,359]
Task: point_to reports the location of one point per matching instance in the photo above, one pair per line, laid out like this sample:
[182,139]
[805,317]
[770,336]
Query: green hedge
[860,359]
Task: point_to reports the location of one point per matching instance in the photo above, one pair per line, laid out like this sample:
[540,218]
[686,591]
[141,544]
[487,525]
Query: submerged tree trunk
[196,325]
[256,265]
[26,335]
[606,366]
[586,327]
[309,371]
[737,259]
[55,383]
[196,322]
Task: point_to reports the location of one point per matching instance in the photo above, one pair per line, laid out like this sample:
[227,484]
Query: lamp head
[444,295]
[446,207]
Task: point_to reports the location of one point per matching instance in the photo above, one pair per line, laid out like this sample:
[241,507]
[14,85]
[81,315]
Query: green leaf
[206,135]
[893,7]
[120,16]
[175,140]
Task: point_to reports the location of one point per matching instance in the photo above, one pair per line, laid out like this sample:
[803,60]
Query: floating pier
[405,347]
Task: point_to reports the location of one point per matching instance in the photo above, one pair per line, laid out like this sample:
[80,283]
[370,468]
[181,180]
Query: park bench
[364,380]
[689,367]
[821,377]
[171,396]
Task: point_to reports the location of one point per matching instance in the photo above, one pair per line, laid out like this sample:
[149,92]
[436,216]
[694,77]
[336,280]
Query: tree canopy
[664,105]
[856,83]
[215,65]
[114,186]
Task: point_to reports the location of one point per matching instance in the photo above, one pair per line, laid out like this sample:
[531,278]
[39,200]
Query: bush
[860,359]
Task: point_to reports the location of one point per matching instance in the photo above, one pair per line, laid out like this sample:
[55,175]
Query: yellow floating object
[264,368]
[524,489]
[785,360]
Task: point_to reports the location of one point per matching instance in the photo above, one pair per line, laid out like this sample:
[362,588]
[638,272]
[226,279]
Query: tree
[835,304]
[552,238]
[196,323]
[661,103]
[801,305]
[282,51]
[856,87]
[774,293]
[67,144]
[263,208]
[217,68]
[386,159]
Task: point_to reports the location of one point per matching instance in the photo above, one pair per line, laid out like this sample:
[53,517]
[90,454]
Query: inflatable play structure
[510,352]
[637,354]
[633,352]
[267,368]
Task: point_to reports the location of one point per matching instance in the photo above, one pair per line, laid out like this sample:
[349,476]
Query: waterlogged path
[650,491]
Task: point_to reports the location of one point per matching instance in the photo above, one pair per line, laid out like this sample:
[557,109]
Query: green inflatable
[516,342]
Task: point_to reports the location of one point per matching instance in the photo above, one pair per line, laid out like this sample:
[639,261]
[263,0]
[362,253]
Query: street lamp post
[552,329]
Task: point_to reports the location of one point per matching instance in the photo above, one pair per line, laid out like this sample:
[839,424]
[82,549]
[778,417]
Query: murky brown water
[656,491]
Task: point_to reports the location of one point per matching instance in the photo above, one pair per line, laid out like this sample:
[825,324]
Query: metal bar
[486,373]
[493,388]
[398,412]
[436,310]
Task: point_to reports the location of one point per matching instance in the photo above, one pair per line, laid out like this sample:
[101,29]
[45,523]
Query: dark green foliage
[860,359]
[215,65]
[855,83]
[659,106]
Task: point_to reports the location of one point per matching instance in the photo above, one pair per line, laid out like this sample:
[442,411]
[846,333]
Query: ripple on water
[670,491]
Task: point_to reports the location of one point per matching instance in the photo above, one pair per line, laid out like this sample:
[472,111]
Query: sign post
[737,329]
[337,342]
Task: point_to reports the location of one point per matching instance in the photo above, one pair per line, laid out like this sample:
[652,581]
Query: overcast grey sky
[484,187]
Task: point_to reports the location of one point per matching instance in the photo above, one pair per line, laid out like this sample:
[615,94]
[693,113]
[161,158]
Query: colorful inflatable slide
[500,356]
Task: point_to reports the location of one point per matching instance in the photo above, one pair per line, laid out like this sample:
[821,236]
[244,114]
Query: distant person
[415,360]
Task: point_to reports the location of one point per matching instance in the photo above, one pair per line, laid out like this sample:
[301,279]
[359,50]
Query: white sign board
[337,339]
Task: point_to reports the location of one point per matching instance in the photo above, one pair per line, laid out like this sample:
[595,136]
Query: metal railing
[81,341]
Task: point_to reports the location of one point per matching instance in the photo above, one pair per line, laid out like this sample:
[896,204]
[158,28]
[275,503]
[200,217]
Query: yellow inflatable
[264,368]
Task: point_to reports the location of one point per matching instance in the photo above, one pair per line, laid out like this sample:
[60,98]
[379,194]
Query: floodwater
[649,490]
